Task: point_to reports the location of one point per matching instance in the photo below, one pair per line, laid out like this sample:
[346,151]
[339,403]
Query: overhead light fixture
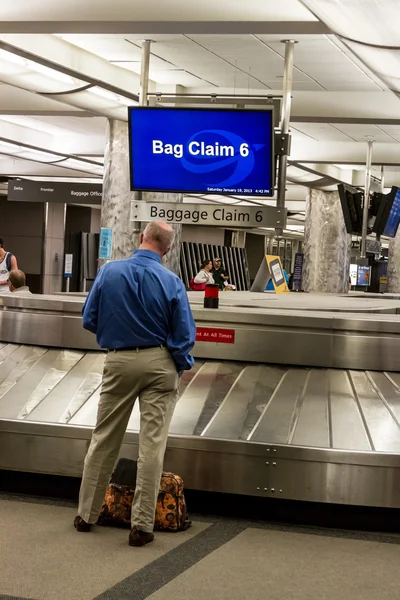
[9,146]
[12,58]
[81,165]
[110,96]
[33,76]
[42,156]
[15,59]
[35,123]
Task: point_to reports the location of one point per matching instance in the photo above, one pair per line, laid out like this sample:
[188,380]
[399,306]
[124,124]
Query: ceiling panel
[115,48]
[322,132]
[360,133]
[322,60]
[234,61]
[392,130]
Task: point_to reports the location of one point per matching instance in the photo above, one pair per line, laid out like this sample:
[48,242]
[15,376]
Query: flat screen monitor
[363,275]
[202,151]
[388,217]
[352,207]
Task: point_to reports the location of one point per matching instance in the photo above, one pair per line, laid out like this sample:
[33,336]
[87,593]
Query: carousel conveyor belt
[299,433]
[296,404]
[324,408]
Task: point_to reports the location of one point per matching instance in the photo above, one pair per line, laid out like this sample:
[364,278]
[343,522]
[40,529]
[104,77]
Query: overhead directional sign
[28,190]
[210,151]
[222,215]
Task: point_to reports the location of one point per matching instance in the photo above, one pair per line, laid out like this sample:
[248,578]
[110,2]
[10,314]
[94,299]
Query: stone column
[327,245]
[117,198]
[393,270]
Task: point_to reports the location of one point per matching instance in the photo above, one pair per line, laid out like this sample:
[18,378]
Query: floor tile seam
[173,564]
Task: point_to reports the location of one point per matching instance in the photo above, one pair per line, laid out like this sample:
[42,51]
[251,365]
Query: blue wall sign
[209,151]
[68,264]
[105,243]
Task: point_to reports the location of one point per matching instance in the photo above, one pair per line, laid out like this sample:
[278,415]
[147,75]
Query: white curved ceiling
[340,97]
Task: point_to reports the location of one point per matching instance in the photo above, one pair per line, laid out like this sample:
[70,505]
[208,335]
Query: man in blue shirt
[140,313]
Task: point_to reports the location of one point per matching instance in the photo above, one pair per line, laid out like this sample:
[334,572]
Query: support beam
[166,27]
[363,249]
[285,121]
[349,153]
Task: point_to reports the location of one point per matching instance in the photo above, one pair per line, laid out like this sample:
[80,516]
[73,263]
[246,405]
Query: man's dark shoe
[81,525]
[140,538]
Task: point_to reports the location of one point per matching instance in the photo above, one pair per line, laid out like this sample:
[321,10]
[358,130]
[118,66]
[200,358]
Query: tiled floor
[43,558]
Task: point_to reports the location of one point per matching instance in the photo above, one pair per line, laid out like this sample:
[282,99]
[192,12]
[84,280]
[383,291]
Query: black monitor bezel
[272,166]
[352,226]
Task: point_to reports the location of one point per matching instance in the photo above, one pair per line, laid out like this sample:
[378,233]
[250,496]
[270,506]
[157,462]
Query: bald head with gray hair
[17,279]
[157,236]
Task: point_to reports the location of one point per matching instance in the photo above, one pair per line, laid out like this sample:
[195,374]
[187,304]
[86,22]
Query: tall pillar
[393,269]
[117,198]
[53,247]
[327,245]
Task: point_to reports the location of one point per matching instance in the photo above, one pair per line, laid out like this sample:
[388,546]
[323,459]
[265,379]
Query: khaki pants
[151,375]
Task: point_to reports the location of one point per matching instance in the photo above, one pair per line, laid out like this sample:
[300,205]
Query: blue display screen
[393,221]
[202,151]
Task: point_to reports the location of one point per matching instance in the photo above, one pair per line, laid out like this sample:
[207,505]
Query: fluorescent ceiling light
[12,58]
[9,146]
[79,165]
[15,59]
[36,124]
[28,153]
[111,96]
[37,155]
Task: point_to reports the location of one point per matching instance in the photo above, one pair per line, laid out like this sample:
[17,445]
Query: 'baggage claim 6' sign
[210,214]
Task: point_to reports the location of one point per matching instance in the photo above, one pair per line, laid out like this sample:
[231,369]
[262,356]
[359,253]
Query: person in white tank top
[6,265]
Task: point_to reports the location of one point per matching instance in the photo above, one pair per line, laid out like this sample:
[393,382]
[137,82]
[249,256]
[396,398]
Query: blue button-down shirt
[136,302]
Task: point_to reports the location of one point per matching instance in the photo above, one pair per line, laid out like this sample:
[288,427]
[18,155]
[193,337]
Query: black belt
[134,348]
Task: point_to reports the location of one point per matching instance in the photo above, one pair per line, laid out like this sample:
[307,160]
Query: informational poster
[277,274]
[353,273]
[105,243]
[69,258]
[363,276]
[298,272]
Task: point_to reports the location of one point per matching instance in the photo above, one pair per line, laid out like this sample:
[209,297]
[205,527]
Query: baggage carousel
[295,397]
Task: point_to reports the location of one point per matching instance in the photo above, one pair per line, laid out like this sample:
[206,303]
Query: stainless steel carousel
[296,397]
